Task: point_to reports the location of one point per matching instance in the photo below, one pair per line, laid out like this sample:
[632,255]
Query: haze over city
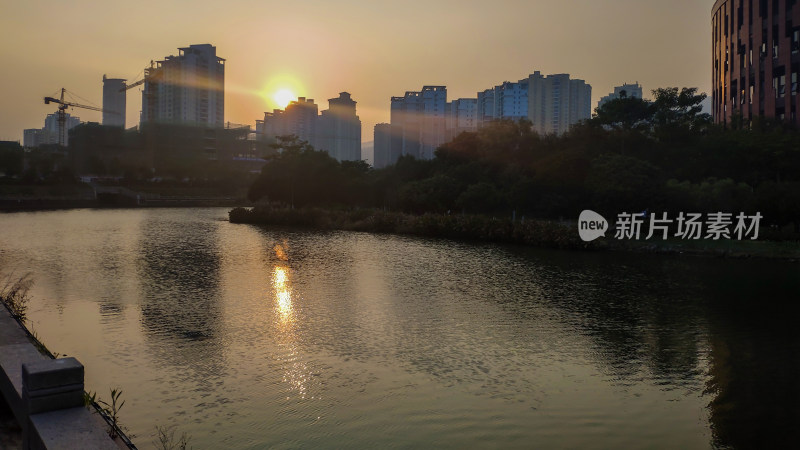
[444,224]
[316,49]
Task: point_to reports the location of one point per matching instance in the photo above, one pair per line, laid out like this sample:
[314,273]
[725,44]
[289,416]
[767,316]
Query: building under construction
[182,122]
[188,89]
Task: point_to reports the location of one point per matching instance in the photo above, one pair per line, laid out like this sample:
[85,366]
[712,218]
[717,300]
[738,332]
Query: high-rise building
[404,118]
[552,103]
[511,100]
[461,116]
[382,146]
[485,110]
[419,120]
[34,137]
[624,91]
[339,129]
[755,54]
[556,102]
[298,119]
[505,101]
[114,102]
[188,89]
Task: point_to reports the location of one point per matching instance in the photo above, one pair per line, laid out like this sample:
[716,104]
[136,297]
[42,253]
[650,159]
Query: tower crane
[140,82]
[152,76]
[132,85]
[62,115]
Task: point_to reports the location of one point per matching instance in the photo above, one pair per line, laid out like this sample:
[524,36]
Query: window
[779,85]
[794,83]
[740,16]
[726,60]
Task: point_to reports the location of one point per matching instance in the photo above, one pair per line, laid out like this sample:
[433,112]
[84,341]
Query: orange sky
[372,49]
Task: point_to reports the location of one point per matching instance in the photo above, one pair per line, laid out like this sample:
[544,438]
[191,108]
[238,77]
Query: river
[248,337]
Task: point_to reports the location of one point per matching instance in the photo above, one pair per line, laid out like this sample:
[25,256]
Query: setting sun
[283,97]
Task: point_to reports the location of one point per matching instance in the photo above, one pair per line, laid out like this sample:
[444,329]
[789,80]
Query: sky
[318,48]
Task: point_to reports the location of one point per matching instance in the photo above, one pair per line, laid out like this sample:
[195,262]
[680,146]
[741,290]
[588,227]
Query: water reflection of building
[180,280]
[755,361]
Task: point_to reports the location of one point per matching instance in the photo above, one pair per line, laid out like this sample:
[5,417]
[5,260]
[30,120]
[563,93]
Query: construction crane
[62,115]
[146,71]
[152,76]
[132,85]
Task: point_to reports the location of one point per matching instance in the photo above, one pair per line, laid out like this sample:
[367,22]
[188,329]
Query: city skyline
[371,51]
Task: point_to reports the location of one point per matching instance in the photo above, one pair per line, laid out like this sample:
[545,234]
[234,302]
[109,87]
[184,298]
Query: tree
[11,156]
[625,114]
[481,197]
[298,174]
[623,183]
[675,110]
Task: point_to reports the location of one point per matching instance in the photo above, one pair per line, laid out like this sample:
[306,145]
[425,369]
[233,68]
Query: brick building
[756,60]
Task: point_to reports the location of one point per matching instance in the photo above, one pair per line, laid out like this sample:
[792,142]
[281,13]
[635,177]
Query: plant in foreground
[167,441]
[14,293]
[89,398]
[112,410]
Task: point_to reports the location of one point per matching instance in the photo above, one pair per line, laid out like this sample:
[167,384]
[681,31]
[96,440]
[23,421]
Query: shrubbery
[635,155]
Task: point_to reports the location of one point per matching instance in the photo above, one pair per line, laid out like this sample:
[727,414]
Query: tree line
[633,155]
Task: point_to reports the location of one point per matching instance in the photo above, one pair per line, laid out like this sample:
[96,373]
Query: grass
[166,439]
[541,233]
[14,293]
[112,410]
[537,232]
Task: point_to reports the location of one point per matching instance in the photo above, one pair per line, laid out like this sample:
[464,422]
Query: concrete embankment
[46,395]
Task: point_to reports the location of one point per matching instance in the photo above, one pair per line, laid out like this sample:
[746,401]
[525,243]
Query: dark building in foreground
[756,60]
[382,146]
[163,148]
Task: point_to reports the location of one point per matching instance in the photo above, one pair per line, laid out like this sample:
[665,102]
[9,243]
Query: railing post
[49,385]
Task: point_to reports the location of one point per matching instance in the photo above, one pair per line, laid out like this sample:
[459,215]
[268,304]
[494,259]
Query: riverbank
[57,412]
[111,195]
[46,204]
[537,232]
[10,431]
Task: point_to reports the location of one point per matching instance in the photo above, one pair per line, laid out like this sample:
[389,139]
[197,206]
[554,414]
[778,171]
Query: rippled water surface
[247,337]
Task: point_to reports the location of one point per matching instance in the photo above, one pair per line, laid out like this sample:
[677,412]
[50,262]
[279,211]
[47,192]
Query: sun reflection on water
[283,296]
[296,372]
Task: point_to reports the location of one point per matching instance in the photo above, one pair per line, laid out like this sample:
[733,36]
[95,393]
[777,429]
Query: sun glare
[283,97]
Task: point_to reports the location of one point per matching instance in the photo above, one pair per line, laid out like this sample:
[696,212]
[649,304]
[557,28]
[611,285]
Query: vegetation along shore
[506,183]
